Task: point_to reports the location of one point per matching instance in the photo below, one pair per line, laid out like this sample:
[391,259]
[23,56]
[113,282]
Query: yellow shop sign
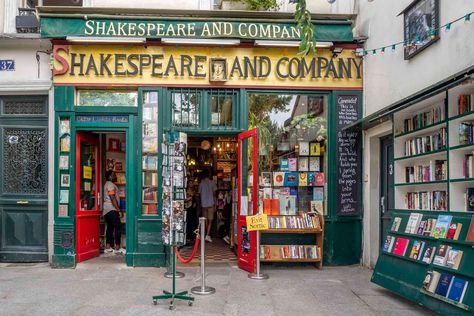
[239,66]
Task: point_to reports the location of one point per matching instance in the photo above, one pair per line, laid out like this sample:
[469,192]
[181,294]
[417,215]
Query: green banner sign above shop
[52,27]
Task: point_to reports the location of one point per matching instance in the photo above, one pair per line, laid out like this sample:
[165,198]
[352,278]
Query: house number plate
[7,65]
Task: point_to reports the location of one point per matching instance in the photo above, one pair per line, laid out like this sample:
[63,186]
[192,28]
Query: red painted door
[87,196]
[247,170]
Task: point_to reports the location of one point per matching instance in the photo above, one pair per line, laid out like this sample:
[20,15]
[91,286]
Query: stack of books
[425,144]
[294,222]
[446,285]
[423,119]
[291,252]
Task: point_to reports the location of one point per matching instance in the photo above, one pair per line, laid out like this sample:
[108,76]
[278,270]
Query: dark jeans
[114,228]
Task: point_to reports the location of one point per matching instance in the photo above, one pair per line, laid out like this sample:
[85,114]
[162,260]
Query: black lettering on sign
[348,157]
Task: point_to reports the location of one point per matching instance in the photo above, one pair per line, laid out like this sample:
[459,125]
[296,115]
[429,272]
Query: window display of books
[436,170]
[422,119]
[425,144]
[430,200]
[294,222]
[465,103]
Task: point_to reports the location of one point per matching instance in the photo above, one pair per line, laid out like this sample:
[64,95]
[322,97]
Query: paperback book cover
[442,226]
[314,164]
[396,224]
[454,231]
[417,249]
[318,194]
[470,232]
[303,164]
[303,179]
[278,179]
[470,199]
[454,258]
[284,164]
[413,223]
[457,289]
[266,179]
[317,207]
[267,193]
[429,254]
[320,179]
[292,164]
[421,227]
[443,284]
[283,191]
[291,179]
[287,205]
[441,255]
[304,148]
[311,179]
[315,149]
[431,281]
[388,243]
[430,224]
[275,207]
[401,246]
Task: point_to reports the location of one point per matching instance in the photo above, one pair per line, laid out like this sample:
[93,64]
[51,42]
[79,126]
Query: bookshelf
[304,252]
[432,158]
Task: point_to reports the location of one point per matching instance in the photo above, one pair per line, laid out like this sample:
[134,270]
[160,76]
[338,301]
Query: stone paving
[105,286]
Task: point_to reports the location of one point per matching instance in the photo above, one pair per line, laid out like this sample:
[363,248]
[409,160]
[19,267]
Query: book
[421,227]
[318,195]
[278,179]
[287,205]
[443,284]
[275,207]
[283,191]
[303,148]
[431,281]
[441,255]
[292,164]
[267,206]
[429,225]
[470,199]
[454,231]
[470,232]
[401,246]
[284,164]
[311,179]
[303,179]
[442,225]
[413,223]
[317,207]
[63,210]
[454,258]
[266,179]
[416,249]
[314,164]
[267,193]
[315,149]
[303,164]
[388,243]
[457,289]
[429,254]
[320,179]
[290,179]
[396,224]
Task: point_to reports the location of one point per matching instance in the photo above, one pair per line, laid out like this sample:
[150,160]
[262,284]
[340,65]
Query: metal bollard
[203,289]
[257,275]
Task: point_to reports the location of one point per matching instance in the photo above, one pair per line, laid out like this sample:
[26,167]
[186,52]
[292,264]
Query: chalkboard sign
[348,157]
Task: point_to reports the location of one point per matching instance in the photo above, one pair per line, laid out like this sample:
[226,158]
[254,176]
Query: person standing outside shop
[207,191]
[111,212]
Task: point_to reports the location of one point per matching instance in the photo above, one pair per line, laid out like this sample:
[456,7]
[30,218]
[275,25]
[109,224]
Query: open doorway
[101,196]
[214,158]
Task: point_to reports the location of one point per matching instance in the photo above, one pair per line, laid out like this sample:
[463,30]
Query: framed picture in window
[114,144]
[421,20]
[65,180]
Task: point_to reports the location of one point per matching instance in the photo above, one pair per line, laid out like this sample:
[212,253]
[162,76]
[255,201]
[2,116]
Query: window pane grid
[185,107]
[222,107]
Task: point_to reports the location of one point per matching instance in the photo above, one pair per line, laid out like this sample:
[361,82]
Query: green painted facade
[343,235]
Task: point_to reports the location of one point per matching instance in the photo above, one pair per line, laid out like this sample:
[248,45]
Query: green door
[24,178]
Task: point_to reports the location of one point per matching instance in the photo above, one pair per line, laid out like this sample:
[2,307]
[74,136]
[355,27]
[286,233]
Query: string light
[432,34]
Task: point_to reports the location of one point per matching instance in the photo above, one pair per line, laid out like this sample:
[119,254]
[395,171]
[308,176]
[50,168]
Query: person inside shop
[111,212]
[207,191]
[191,210]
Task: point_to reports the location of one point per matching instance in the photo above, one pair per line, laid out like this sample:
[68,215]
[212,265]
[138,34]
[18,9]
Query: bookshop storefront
[115,97]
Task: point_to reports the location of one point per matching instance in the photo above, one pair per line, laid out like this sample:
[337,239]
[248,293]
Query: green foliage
[261,4]
[303,20]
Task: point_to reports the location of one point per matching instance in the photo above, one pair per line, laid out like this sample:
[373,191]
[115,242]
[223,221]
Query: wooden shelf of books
[428,251]
[292,196]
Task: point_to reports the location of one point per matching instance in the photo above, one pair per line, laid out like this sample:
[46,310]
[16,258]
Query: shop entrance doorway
[214,157]
[100,178]
[386,185]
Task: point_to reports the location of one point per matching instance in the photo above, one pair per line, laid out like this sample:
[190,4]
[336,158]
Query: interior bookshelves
[436,178]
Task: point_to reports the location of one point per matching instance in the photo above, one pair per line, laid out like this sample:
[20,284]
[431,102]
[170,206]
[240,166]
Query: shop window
[185,105]
[222,105]
[107,98]
[150,154]
[292,151]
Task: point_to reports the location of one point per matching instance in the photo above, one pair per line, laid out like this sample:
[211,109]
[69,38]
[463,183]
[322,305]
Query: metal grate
[18,105]
[24,167]
[222,107]
[185,105]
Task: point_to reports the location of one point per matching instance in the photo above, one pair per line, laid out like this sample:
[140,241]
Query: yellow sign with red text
[93,65]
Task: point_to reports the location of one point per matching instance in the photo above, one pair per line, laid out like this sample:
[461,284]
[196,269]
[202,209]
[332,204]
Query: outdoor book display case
[428,250]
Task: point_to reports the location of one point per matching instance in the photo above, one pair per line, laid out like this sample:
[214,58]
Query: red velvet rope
[196,243]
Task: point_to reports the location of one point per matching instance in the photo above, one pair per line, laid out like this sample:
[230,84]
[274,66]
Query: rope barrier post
[203,289]
[257,275]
